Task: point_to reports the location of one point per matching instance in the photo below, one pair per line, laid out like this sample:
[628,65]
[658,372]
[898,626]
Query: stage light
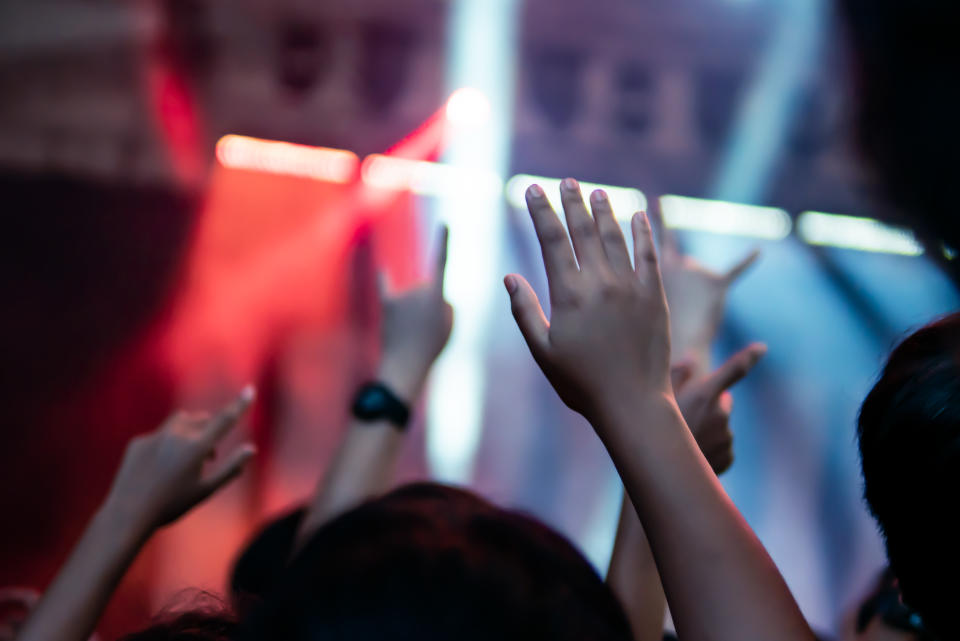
[275,157]
[850,232]
[721,217]
[481,55]
[426,178]
[468,107]
[624,200]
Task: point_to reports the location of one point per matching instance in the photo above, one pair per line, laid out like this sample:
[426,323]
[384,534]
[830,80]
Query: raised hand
[608,336]
[415,328]
[161,476]
[696,294]
[706,405]
[606,350]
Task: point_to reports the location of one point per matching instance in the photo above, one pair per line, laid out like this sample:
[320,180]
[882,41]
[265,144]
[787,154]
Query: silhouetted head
[428,562]
[263,561]
[909,433]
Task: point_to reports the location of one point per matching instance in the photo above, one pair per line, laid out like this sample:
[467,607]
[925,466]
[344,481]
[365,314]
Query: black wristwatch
[375,402]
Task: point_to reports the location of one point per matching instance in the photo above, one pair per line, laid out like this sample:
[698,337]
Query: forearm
[74,602]
[718,579]
[634,579]
[364,463]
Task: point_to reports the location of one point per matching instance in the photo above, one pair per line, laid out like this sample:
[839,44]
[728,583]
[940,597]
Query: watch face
[375,402]
[372,400]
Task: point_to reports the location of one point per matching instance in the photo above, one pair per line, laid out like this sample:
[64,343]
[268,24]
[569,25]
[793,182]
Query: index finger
[558,257]
[737,270]
[733,370]
[441,258]
[646,265]
[226,418]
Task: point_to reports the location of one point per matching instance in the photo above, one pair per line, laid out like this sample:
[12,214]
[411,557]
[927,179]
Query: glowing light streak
[721,217]
[427,178]
[276,157]
[850,232]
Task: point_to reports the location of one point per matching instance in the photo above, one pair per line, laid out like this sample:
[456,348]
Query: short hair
[262,562]
[200,616]
[909,437]
[430,562]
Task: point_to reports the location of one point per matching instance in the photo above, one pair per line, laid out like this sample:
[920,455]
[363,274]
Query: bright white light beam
[426,178]
[481,66]
[851,232]
[721,217]
[276,157]
[624,200]
[468,107]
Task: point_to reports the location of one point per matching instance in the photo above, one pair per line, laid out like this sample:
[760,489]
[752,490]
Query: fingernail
[248,393]
[511,284]
[535,191]
[570,184]
[598,196]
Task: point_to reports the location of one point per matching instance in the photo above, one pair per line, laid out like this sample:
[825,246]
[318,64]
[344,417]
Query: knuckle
[584,229]
[553,235]
[611,237]
[610,289]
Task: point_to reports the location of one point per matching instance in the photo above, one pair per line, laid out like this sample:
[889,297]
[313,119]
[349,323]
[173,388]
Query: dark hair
[207,619]
[263,560]
[429,562]
[909,434]
[907,100]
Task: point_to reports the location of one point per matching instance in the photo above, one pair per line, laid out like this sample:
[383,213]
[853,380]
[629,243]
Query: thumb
[528,313]
[734,369]
[745,263]
[680,374]
[229,470]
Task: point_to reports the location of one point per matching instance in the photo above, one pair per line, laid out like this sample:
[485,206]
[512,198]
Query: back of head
[907,101]
[909,433]
[201,617]
[430,562]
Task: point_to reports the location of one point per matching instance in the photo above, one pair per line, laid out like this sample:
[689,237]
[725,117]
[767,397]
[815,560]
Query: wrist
[402,376]
[127,524]
[630,416]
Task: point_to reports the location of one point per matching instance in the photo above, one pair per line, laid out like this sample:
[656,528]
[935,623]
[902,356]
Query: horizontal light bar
[276,157]
[721,217]
[425,178]
[624,200]
[850,232]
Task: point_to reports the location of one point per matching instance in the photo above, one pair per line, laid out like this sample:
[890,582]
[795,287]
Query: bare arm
[634,579]
[160,479]
[606,350]
[415,329]
[705,405]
